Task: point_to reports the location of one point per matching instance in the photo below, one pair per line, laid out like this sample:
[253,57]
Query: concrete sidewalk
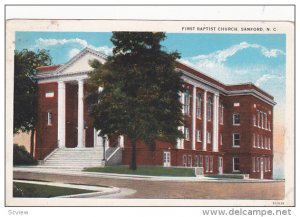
[80,172]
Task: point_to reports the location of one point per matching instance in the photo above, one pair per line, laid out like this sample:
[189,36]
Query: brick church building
[229,127]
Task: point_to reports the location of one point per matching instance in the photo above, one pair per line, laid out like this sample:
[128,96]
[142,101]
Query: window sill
[235,146]
[236,124]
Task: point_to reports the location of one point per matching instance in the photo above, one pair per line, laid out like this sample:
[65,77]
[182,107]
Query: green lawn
[44,191]
[145,170]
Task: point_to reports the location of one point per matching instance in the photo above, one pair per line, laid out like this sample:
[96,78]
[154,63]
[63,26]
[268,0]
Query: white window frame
[49,118]
[254,140]
[233,140]
[208,137]
[206,163]
[211,164]
[186,133]
[257,164]
[253,164]
[233,164]
[209,106]
[190,161]
[198,106]
[221,138]
[184,160]
[196,162]
[201,161]
[254,120]
[258,118]
[186,103]
[49,94]
[221,114]
[198,135]
[233,119]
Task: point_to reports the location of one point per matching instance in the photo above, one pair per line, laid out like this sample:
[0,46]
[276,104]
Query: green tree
[25,89]
[140,98]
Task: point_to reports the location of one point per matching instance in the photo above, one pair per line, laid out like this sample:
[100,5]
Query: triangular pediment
[80,62]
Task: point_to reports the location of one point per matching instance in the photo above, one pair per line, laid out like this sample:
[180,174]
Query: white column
[61,110]
[204,119]
[194,120]
[80,115]
[215,124]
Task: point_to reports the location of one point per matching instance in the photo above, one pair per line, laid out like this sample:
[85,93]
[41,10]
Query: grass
[43,191]
[145,170]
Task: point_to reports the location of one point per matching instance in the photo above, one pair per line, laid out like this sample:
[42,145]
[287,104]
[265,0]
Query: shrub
[22,157]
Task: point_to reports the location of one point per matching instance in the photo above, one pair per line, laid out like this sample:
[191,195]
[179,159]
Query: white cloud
[267,78]
[73,52]
[221,56]
[48,42]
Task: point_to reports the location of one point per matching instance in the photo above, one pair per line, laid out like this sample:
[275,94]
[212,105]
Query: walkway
[163,187]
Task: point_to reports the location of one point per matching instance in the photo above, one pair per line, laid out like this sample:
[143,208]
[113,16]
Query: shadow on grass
[145,170]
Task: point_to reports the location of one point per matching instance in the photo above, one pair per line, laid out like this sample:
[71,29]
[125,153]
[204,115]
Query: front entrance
[220,165]
[261,168]
[167,159]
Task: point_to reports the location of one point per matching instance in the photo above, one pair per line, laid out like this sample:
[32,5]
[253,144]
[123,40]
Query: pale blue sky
[230,58]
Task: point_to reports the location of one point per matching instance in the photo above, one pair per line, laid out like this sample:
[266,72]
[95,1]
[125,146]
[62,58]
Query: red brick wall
[46,136]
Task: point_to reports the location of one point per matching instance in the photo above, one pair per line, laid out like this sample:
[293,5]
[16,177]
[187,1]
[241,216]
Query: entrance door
[167,159]
[261,168]
[220,165]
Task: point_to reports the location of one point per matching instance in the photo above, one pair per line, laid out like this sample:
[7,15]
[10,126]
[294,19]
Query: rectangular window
[253,140]
[236,164]
[266,164]
[209,105]
[269,164]
[198,136]
[266,121]
[221,108]
[211,164]
[236,140]
[262,120]
[49,94]
[253,164]
[257,164]
[186,104]
[206,163]
[269,125]
[195,161]
[254,120]
[266,143]
[236,119]
[184,160]
[187,133]
[258,118]
[257,141]
[269,143]
[208,137]
[189,160]
[201,161]
[198,108]
[49,118]
[221,138]
[261,141]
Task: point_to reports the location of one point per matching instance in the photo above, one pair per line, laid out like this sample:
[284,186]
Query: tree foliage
[140,98]
[25,87]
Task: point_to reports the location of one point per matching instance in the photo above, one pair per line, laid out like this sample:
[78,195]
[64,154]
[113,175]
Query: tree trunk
[133,155]
[32,142]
